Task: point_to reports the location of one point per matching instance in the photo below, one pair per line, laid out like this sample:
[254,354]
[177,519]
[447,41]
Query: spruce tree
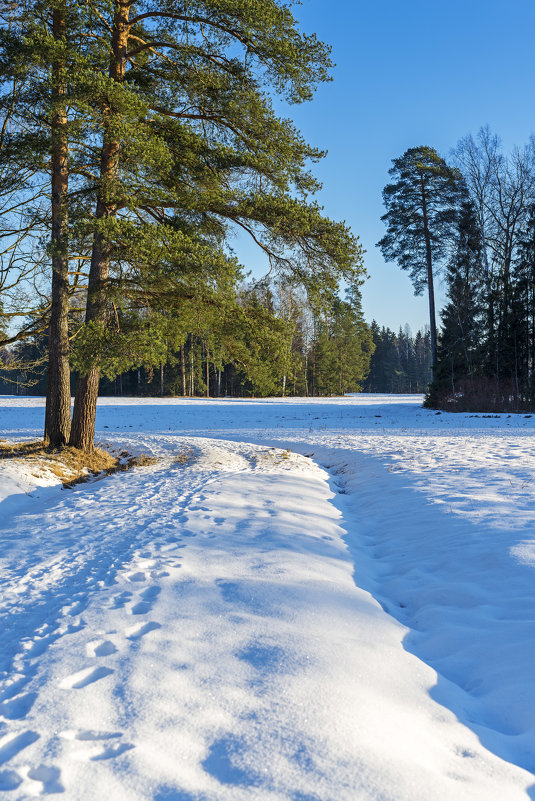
[523,309]
[461,342]
[343,347]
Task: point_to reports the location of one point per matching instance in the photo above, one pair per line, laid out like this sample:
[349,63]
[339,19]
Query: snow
[301,600]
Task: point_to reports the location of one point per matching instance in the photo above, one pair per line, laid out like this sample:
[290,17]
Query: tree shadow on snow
[436,602]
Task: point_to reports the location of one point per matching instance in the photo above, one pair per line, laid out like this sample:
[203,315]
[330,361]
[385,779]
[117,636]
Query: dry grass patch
[9,450]
[185,455]
[70,465]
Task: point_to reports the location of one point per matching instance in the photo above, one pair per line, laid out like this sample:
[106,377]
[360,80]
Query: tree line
[401,363]
[136,138]
[307,353]
[472,219]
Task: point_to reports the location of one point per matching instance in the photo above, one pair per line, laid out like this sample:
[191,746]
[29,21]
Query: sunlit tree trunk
[58,393]
[85,404]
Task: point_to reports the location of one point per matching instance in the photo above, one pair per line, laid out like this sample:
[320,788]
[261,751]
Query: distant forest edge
[277,345]
[329,360]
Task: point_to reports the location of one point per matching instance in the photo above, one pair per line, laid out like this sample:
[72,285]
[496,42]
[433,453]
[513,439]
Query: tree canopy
[421,208]
[155,124]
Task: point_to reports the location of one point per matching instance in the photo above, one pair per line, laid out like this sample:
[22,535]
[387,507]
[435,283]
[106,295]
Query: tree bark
[183,370]
[430,284]
[85,404]
[58,391]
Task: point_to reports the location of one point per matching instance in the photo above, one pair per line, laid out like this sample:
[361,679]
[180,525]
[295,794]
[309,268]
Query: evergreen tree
[461,343]
[44,55]
[343,347]
[191,148]
[523,309]
[400,363]
[155,127]
[421,210]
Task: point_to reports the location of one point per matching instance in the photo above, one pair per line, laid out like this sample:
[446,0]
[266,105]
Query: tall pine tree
[421,207]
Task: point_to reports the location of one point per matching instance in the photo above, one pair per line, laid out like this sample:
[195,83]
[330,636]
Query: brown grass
[184,456]
[70,465]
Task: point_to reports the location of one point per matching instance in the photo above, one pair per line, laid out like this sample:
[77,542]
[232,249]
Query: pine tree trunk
[85,404]
[161,379]
[207,373]
[314,369]
[58,390]
[430,284]
[183,370]
[83,422]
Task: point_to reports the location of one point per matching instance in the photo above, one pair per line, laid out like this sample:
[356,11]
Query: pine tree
[421,210]
[43,53]
[191,148]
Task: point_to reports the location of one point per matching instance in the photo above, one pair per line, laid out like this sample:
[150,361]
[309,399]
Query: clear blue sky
[409,73]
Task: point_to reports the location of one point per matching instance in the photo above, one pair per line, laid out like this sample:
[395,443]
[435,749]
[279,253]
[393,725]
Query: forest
[299,354]
[471,221]
[135,143]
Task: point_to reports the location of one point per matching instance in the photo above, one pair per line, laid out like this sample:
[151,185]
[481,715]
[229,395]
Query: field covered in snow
[301,600]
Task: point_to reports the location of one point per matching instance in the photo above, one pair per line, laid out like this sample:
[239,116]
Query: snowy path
[202,630]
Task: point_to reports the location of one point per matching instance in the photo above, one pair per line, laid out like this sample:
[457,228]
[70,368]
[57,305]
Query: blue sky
[410,73]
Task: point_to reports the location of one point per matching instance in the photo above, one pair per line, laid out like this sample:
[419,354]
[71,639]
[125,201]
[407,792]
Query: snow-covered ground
[301,600]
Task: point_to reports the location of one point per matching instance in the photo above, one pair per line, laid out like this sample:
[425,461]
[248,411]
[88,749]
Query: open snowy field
[301,600]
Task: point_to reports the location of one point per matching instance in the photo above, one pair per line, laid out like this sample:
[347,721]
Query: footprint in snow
[148,597]
[76,608]
[48,777]
[18,707]
[110,751]
[14,687]
[139,631]
[141,608]
[37,647]
[113,751]
[121,600]
[11,745]
[9,780]
[72,628]
[100,648]
[139,576]
[172,546]
[82,678]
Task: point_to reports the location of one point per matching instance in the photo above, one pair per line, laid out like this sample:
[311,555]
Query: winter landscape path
[299,601]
